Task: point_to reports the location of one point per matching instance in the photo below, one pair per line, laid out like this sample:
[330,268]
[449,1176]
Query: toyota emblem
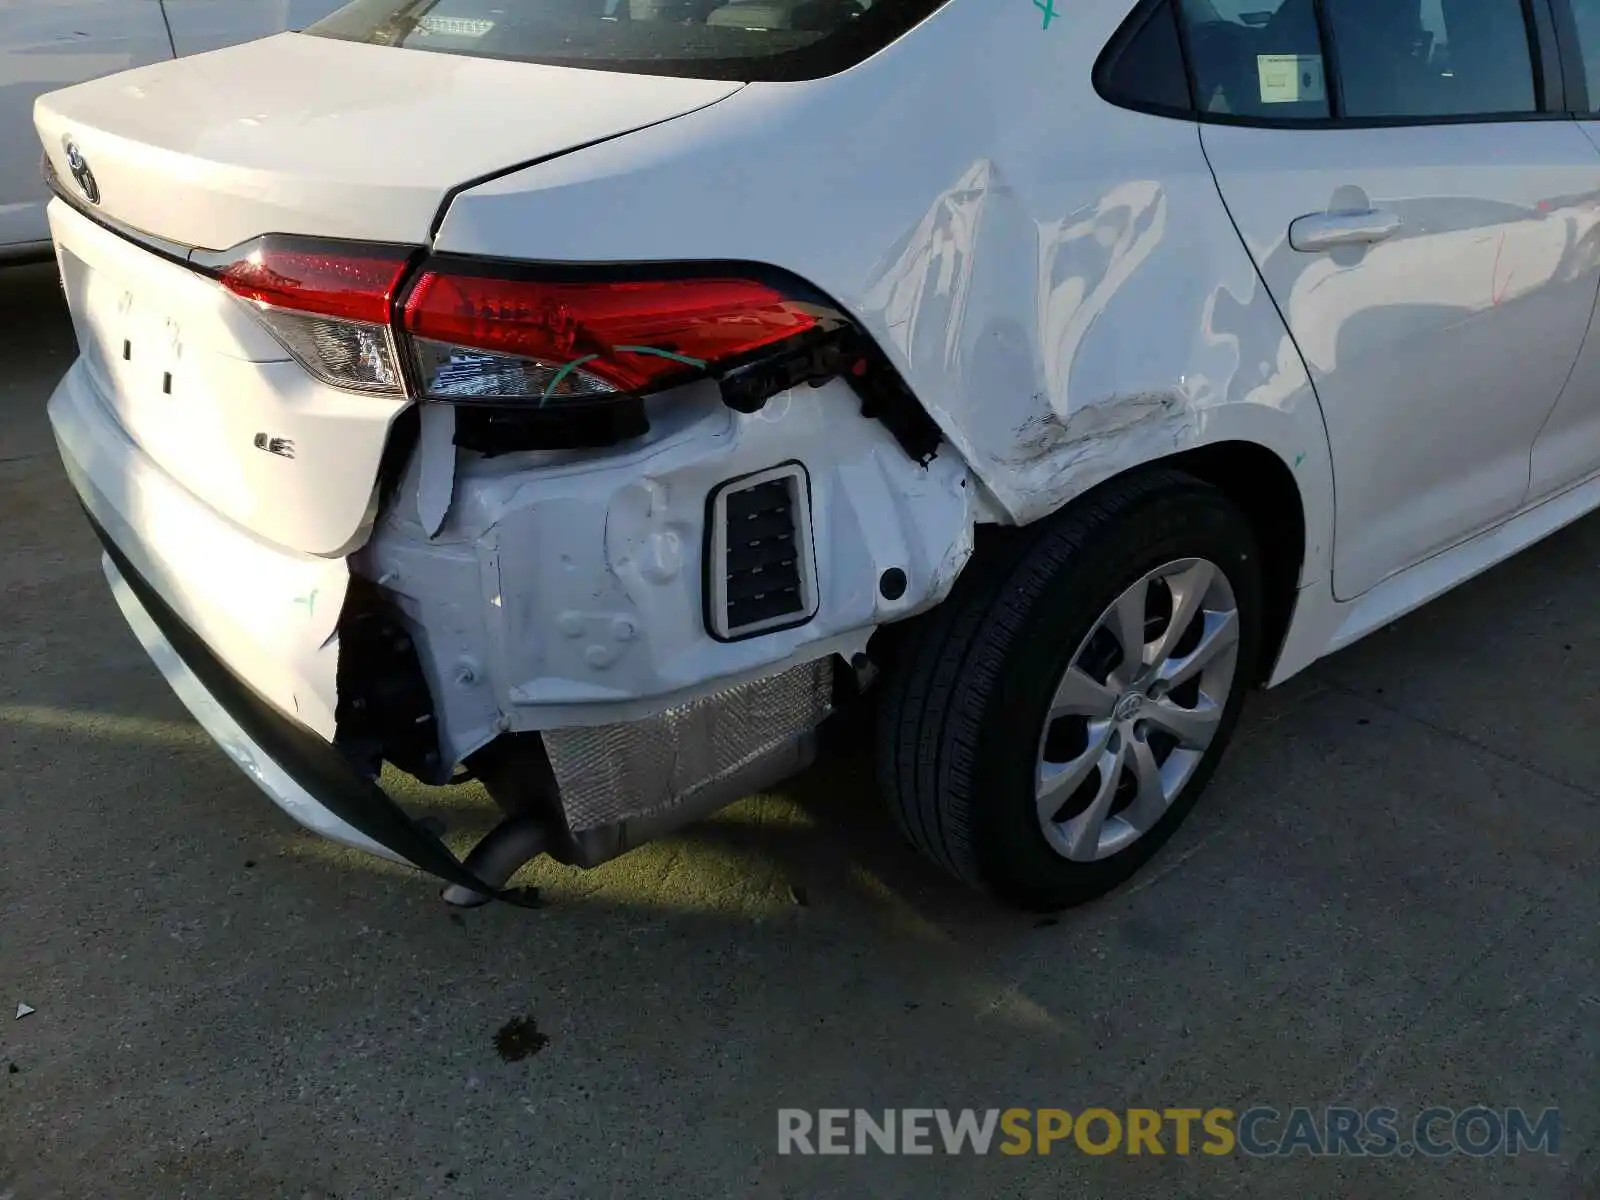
[80,171]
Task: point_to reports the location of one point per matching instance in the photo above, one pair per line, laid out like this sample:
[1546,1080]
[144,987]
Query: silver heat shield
[689,756]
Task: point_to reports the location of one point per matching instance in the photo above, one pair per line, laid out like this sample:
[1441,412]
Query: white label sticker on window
[1291,78]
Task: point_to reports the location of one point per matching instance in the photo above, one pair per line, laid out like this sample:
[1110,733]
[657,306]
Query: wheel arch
[1263,486]
[1284,493]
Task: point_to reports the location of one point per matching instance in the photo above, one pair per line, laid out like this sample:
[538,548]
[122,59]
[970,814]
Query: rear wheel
[1046,729]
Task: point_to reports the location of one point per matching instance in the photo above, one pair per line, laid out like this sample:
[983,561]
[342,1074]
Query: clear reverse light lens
[347,354]
[452,372]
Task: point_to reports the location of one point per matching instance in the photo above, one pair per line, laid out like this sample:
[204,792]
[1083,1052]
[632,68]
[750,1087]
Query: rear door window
[1442,58]
[707,39]
[1257,58]
[1395,60]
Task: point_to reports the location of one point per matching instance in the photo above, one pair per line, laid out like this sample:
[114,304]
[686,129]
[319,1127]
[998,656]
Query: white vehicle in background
[48,44]
[592,396]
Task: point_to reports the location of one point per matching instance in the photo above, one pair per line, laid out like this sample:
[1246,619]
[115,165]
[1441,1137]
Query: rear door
[1568,448]
[48,45]
[1412,205]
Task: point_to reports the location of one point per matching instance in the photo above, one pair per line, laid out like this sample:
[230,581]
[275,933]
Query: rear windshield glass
[707,39]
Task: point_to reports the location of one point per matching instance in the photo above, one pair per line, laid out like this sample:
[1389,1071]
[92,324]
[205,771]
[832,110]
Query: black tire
[963,707]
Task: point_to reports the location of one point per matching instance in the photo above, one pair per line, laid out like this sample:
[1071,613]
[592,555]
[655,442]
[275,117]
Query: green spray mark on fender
[1048,8]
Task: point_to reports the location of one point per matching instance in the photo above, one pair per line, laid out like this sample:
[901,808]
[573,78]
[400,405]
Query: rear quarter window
[745,40]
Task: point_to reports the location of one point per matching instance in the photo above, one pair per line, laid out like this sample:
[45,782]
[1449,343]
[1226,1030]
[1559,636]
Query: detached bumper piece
[303,774]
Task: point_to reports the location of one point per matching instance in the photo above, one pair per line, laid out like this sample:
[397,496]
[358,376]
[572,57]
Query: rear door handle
[1357,227]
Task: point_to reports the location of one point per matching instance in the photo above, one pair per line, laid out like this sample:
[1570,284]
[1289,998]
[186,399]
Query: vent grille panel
[761,573]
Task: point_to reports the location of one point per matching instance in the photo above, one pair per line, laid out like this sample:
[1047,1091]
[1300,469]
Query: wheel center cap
[1129,707]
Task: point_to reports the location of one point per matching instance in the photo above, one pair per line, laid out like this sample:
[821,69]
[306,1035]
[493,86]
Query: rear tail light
[477,336]
[550,356]
[328,303]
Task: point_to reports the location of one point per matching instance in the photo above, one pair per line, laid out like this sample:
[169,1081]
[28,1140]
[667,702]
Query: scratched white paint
[251,602]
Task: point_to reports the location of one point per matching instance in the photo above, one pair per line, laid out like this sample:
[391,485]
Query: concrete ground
[1389,897]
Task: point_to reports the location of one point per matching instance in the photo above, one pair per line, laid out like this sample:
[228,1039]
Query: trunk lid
[290,135]
[301,134]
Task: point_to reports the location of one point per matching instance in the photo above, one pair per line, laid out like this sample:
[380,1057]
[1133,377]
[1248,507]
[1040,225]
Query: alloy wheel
[1136,710]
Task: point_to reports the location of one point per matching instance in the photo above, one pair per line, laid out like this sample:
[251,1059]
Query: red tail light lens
[478,336]
[351,282]
[498,335]
[328,303]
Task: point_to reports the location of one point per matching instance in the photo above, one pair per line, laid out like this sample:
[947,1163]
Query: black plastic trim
[174,252]
[1105,66]
[1569,51]
[1553,76]
[1332,81]
[1383,122]
[310,761]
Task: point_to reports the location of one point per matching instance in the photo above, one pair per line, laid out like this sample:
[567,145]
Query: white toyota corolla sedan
[593,396]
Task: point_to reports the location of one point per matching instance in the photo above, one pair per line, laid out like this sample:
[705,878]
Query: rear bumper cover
[561,598]
[220,615]
[635,780]
[302,773]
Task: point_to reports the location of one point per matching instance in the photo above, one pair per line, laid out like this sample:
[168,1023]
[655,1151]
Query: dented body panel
[1057,278]
[269,613]
[566,589]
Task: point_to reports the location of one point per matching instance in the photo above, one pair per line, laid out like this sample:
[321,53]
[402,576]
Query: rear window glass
[706,39]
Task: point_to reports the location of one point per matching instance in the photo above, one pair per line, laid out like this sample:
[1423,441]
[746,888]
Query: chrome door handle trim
[1328,230]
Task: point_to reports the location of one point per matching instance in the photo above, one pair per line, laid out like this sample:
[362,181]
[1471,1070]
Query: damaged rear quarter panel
[1057,278]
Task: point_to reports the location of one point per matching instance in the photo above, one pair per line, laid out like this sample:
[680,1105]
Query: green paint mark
[1298,459]
[555,381]
[1048,8]
[683,358]
[309,601]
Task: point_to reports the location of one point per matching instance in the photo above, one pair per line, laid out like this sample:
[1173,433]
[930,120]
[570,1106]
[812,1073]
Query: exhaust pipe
[494,860]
